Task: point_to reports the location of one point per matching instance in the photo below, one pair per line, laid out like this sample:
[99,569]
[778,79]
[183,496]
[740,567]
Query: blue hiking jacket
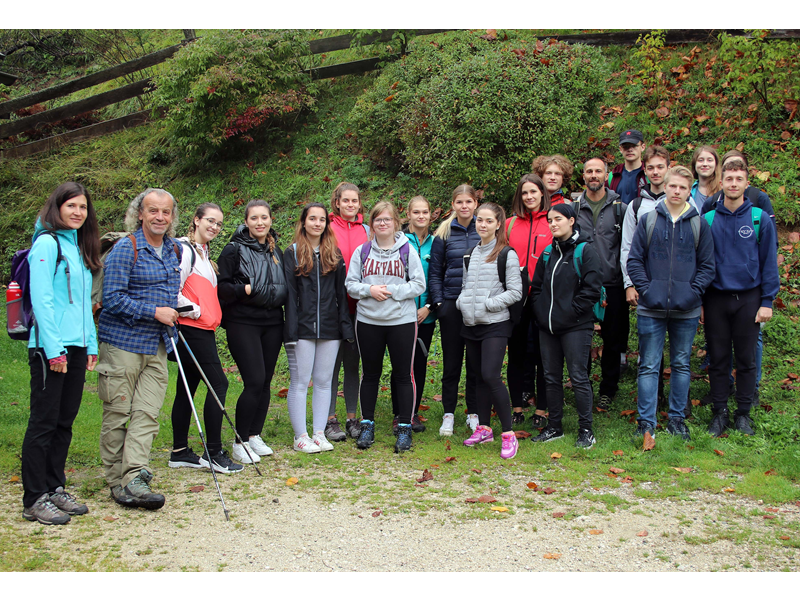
[447,261]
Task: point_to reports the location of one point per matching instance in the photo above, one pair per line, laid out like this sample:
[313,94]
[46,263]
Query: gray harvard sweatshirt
[385,267]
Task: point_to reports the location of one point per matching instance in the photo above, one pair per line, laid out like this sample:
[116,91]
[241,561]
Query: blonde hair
[384,206]
[679,171]
[443,231]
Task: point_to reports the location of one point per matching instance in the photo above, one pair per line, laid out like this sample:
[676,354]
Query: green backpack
[599,308]
[755,214]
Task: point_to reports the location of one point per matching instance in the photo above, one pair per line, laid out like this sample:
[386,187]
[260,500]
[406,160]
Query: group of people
[348,288]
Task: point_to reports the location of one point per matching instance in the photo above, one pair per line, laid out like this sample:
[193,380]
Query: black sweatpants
[575,348]
[485,357]
[255,349]
[450,324]
[525,365]
[55,401]
[204,347]
[730,320]
[372,343]
[424,336]
[614,330]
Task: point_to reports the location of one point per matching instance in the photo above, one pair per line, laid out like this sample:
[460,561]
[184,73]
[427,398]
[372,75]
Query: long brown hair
[443,231]
[518,206]
[329,253]
[715,184]
[89,232]
[270,237]
[337,195]
[500,234]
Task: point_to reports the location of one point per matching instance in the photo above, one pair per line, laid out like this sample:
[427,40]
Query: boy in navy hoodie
[740,297]
[671,263]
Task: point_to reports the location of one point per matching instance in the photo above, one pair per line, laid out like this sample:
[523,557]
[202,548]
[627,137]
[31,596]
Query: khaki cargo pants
[132,387]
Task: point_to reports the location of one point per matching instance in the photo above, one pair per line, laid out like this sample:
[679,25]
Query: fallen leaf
[696,402]
[450,459]
[533,486]
[110,519]
[197,488]
[384,388]
[558,515]
[729,489]
[642,533]
[555,455]
[794,237]
[478,471]
[14,479]
[770,517]
[283,392]
[616,470]
[420,485]
[498,508]
[487,499]
[774,510]
[437,398]
[618,453]
[426,476]
[424,407]
[447,445]
[550,556]
[521,435]
[471,500]
[377,513]
[771,472]
[662,111]
[785,537]
[627,413]
[434,466]
[627,479]
[682,469]
[720,452]
[308,151]
[612,475]
[292,481]
[649,443]
[595,531]
[548,490]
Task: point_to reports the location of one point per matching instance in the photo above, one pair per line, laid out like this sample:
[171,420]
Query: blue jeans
[652,334]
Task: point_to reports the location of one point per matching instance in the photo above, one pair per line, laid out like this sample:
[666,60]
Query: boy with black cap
[629,179]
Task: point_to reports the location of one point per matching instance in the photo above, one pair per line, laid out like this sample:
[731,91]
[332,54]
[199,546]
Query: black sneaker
[678,427]
[353,428]
[603,403]
[44,511]
[517,418]
[184,458]
[403,442]
[333,431]
[719,422]
[416,425]
[643,427]
[66,502]
[585,439]
[138,493]
[367,435]
[222,463]
[548,435]
[744,424]
[395,423]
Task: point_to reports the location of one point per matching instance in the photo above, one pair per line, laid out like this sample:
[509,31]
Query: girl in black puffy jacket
[317,320]
[566,284]
[252,292]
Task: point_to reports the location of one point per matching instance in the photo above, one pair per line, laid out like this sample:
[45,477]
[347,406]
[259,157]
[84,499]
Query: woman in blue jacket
[62,346]
[453,239]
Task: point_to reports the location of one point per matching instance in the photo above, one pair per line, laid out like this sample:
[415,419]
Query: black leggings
[424,335]
[523,363]
[203,345]
[450,324]
[485,357]
[255,349]
[372,343]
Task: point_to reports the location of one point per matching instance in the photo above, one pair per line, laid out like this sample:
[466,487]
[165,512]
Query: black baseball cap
[632,136]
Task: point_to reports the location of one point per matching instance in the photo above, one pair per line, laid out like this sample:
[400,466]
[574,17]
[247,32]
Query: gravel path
[275,527]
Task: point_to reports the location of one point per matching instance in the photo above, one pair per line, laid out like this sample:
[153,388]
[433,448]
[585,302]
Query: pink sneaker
[481,435]
[510,445]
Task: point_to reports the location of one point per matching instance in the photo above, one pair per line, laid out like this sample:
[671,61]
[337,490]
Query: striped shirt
[132,291]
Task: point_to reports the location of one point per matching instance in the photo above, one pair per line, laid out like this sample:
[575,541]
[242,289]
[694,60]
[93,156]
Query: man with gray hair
[142,276]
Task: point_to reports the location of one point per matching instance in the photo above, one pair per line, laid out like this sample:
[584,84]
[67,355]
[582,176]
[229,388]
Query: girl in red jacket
[347,223]
[528,234]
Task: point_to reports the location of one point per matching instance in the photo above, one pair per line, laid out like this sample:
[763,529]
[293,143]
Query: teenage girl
[386,282]
[707,171]
[317,319]
[484,304]
[528,234]
[62,346]
[562,306]
[199,292]
[350,231]
[453,239]
[252,289]
[418,233]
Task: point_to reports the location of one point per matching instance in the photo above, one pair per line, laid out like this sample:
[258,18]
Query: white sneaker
[306,444]
[320,440]
[473,422]
[447,424]
[240,454]
[258,446]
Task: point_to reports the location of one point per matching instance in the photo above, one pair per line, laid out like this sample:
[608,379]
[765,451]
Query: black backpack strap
[192,250]
[752,194]
[502,259]
[636,205]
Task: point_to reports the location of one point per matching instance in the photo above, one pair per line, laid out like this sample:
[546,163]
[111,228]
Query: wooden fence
[332,44]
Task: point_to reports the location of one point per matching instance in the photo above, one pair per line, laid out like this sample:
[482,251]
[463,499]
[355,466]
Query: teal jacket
[61,323]
[424,251]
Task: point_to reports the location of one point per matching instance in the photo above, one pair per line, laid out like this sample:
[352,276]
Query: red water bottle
[14,310]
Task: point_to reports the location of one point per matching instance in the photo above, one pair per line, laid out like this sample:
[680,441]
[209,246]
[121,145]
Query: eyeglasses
[214,223]
[383,221]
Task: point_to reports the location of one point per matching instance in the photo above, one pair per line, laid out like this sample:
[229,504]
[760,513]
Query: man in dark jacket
[740,297]
[600,217]
[671,263]
[629,179]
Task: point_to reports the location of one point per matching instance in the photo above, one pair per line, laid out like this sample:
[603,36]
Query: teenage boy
[740,296]
[671,263]
[600,217]
[136,331]
[629,179]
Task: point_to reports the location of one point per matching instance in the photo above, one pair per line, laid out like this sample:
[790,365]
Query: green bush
[230,84]
[471,110]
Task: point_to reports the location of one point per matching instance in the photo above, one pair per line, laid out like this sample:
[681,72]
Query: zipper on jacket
[671,262]
[552,279]
[316,324]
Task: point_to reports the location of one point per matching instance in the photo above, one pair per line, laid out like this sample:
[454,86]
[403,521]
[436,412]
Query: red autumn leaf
[626,413]
[384,388]
[786,135]
[696,402]
[793,376]
[612,475]
[389,98]
[548,490]
[616,470]
[701,118]
[14,479]
[539,46]
[770,472]
[340,394]
[558,515]
[773,510]
[447,444]
[478,471]
[434,466]
[450,459]
[770,517]
[424,407]
[283,392]
[662,112]
[533,486]
[197,488]
[720,452]
[595,531]
[642,533]
[394,85]
[555,455]
[110,519]
[521,435]
[618,453]
[420,485]
[627,479]
[426,476]
[794,237]
[437,398]
[377,513]
[649,443]
[487,499]
[551,556]
[779,304]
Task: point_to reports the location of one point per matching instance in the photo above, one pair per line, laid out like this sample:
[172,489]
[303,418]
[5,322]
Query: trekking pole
[219,403]
[199,428]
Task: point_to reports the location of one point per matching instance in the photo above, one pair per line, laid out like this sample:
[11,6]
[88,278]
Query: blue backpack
[599,308]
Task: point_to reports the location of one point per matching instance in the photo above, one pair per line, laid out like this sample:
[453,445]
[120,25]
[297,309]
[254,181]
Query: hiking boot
[416,424]
[46,512]
[548,435]
[258,446]
[744,424]
[585,439]
[66,502]
[448,421]
[719,422]
[510,445]
[353,427]
[184,458]
[240,454]
[481,435]
[473,421]
[603,403]
[642,428]
[395,423]
[367,436]
[222,463]
[320,440]
[306,444]
[403,442]
[678,427]
[139,493]
[333,431]
[517,418]
[538,421]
